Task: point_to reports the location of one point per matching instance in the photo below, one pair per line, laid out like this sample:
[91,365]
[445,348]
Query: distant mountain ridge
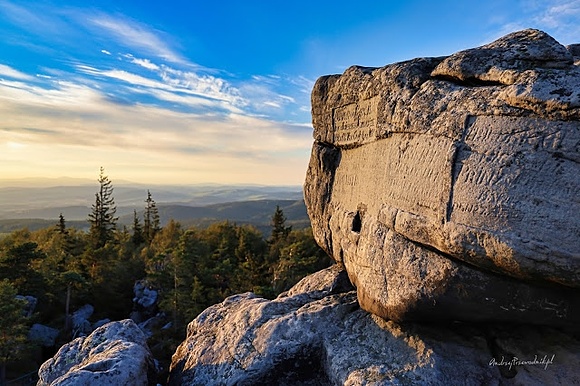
[200,205]
[47,202]
[256,212]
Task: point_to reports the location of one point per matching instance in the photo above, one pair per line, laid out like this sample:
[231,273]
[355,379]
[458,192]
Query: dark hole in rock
[356,223]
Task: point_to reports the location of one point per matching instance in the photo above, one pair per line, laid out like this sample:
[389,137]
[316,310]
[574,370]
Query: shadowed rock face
[317,335]
[449,187]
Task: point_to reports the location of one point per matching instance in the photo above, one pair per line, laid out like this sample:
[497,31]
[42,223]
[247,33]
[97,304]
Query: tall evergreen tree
[279,229]
[61,226]
[102,217]
[138,237]
[151,219]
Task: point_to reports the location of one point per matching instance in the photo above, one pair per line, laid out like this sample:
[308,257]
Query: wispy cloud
[560,12]
[168,84]
[145,63]
[560,18]
[7,71]
[564,18]
[48,22]
[136,36]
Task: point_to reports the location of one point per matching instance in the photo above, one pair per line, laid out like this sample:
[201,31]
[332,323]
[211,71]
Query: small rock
[44,335]
[80,320]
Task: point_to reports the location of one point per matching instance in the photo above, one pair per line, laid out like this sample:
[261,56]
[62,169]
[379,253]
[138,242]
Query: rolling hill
[37,207]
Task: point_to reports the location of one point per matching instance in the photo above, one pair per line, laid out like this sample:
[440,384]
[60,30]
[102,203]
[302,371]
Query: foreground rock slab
[114,354]
[449,187]
[317,335]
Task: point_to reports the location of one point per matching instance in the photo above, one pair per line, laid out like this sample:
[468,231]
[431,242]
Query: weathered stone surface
[575,51]
[115,354]
[145,297]
[504,60]
[80,320]
[448,187]
[315,336]
[43,335]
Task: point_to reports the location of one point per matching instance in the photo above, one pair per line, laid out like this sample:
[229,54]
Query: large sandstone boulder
[317,335]
[114,354]
[450,187]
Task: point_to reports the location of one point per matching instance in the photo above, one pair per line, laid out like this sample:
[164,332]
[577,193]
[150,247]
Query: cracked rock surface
[317,335]
[450,187]
[114,354]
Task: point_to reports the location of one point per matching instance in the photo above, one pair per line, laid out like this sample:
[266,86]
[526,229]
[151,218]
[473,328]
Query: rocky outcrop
[114,354]
[317,335]
[448,187]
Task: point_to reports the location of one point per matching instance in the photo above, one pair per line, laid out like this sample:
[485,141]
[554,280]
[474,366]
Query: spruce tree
[102,217]
[279,229]
[138,237]
[61,226]
[151,219]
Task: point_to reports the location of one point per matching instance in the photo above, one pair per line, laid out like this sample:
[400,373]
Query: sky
[189,92]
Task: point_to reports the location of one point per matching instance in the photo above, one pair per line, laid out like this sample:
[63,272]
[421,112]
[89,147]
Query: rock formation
[449,187]
[80,320]
[145,300]
[317,335]
[43,335]
[114,354]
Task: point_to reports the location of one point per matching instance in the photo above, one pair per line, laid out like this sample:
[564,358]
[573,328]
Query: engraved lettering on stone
[354,122]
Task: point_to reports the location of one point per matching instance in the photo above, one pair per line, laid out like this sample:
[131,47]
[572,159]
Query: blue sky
[187,92]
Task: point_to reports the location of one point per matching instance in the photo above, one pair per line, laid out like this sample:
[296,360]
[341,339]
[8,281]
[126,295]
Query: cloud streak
[560,18]
[7,71]
[134,35]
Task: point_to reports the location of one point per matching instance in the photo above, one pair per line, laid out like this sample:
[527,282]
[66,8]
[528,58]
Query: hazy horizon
[62,181]
[186,92]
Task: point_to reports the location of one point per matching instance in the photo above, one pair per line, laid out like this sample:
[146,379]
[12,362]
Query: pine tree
[102,218]
[279,229]
[151,219]
[61,226]
[138,237]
